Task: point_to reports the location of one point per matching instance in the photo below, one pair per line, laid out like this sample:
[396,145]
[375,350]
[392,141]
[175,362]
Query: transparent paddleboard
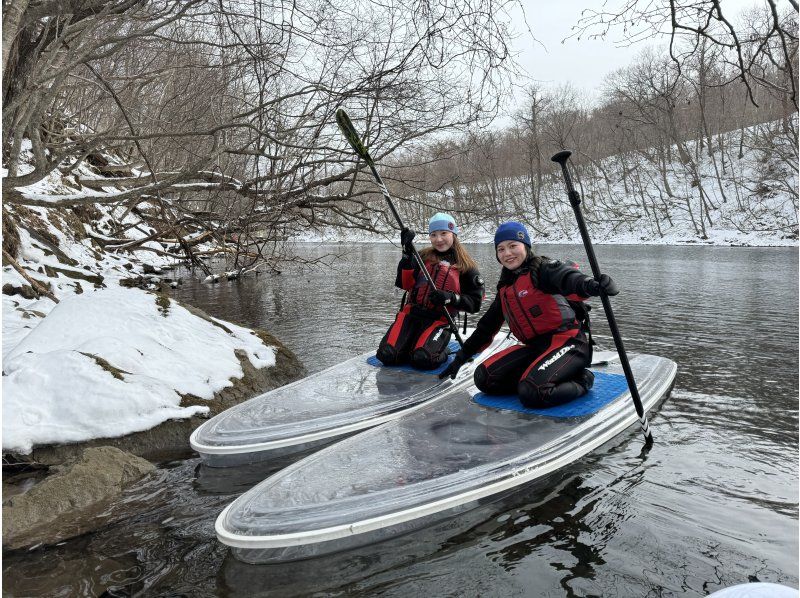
[342,399]
[441,457]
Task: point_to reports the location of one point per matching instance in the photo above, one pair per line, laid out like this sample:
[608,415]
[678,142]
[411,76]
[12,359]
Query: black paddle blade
[349,132]
[562,156]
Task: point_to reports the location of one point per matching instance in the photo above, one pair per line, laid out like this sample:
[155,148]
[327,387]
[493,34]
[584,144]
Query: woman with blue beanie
[533,296]
[420,332]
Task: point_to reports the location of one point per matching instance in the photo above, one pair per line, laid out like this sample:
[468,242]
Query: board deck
[342,399]
[437,459]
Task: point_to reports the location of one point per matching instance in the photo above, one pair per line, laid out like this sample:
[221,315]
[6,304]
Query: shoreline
[788,243]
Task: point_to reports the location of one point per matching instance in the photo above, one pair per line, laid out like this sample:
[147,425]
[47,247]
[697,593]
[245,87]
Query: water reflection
[236,480]
[384,563]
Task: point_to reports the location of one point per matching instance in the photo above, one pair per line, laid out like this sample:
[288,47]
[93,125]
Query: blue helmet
[442,221]
[511,231]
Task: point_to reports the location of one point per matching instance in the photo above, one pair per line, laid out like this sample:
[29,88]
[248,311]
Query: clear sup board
[439,460]
[346,398]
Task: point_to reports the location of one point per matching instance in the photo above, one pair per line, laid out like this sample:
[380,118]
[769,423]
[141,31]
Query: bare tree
[530,120]
[216,119]
[756,46]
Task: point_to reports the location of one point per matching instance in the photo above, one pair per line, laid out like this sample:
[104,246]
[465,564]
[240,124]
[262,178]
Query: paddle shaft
[575,200]
[349,132]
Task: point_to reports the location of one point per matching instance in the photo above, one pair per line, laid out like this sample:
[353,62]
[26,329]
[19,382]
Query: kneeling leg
[393,348]
[558,376]
[498,375]
[430,350]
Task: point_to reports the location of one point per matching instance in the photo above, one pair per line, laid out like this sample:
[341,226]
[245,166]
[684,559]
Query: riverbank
[568,234]
[98,357]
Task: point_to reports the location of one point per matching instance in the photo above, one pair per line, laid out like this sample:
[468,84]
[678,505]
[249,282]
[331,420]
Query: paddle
[575,200]
[349,132]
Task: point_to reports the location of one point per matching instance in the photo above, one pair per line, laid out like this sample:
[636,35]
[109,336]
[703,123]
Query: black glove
[451,371]
[439,297]
[407,240]
[591,287]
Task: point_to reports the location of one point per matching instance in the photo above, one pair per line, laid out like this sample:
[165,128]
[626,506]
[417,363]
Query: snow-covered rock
[113,361]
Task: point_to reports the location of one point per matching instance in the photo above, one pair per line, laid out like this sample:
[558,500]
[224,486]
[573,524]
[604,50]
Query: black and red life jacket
[531,312]
[445,276]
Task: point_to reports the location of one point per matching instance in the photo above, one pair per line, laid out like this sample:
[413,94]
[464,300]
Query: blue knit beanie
[442,221]
[511,231]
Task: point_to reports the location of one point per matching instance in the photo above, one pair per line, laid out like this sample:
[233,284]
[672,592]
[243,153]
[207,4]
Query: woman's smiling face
[442,240]
[512,254]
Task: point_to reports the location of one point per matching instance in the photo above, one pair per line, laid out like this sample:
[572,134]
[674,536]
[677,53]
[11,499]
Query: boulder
[66,504]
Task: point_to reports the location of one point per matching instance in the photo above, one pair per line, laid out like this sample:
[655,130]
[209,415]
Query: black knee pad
[481,378]
[549,395]
[532,396]
[387,355]
[566,392]
[422,360]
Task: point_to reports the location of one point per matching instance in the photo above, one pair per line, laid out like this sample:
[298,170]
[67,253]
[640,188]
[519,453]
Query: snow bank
[116,361]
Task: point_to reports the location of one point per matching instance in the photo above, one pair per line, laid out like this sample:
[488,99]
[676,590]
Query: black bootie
[586,379]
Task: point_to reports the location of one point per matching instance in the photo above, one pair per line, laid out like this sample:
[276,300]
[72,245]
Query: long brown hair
[463,260]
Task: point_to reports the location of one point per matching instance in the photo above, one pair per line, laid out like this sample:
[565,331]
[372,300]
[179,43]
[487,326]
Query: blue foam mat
[607,387]
[452,347]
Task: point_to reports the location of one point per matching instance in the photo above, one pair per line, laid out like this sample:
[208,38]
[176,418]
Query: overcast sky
[583,62]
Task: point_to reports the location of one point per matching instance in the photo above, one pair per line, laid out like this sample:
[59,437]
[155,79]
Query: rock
[84,481]
[72,497]
[148,269]
[54,271]
[25,291]
[134,282]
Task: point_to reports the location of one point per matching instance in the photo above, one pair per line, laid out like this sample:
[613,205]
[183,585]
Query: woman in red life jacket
[420,332]
[533,294]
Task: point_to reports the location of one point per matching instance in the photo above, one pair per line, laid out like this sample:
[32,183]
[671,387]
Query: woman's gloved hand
[591,287]
[459,359]
[439,297]
[407,240]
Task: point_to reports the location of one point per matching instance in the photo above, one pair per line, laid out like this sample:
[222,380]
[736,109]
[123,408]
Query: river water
[714,503]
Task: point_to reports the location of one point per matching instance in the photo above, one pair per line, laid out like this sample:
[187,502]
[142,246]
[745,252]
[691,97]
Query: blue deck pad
[607,387]
[452,347]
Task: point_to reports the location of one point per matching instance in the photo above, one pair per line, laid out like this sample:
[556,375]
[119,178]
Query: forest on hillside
[213,122]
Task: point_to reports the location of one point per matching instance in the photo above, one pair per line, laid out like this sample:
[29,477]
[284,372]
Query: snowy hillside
[717,198]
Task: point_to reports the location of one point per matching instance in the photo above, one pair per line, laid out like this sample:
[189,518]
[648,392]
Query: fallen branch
[35,284]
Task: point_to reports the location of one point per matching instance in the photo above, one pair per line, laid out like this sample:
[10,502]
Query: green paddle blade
[349,132]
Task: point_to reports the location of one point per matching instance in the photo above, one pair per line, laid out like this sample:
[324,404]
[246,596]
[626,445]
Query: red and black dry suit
[548,368]
[420,333]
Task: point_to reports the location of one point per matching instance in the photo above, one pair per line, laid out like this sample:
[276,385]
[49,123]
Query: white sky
[585,63]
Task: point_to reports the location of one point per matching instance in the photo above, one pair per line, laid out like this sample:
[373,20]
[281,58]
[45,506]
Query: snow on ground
[106,360]
[55,391]
[752,203]
[480,234]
